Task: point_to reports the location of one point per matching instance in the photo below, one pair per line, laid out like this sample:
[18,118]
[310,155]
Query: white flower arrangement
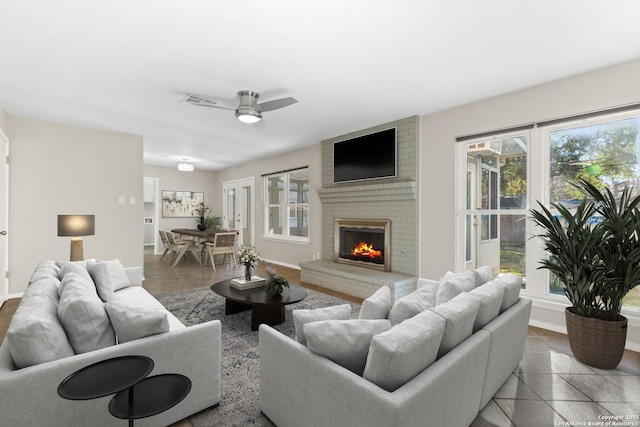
[247,256]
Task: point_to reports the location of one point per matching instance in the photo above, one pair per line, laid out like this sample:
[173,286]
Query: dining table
[200,237]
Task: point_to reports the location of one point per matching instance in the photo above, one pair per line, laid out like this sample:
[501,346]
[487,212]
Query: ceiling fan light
[185,167]
[247,115]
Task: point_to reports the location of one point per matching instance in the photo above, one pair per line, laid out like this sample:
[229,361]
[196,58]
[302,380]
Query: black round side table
[150,396]
[136,394]
[105,377]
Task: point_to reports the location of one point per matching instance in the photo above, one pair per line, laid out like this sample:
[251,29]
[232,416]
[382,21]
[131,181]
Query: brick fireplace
[366,204]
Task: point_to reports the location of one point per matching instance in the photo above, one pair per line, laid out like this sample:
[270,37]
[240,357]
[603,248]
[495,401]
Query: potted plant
[213,222]
[275,286]
[200,212]
[595,254]
[249,257]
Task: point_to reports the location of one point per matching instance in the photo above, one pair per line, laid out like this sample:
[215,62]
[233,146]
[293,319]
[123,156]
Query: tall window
[496,202]
[286,196]
[505,175]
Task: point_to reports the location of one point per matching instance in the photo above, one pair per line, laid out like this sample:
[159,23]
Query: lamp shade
[76,225]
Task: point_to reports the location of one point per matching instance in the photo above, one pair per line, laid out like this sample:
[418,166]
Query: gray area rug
[240,352]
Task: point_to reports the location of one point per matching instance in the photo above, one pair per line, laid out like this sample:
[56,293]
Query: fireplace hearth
[362,242]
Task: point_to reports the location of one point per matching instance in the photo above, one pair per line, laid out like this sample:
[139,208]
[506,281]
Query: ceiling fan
[248,110]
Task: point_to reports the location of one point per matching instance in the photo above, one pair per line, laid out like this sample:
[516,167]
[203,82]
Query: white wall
[286,253]
[59,169]
[173,180]
[597,90]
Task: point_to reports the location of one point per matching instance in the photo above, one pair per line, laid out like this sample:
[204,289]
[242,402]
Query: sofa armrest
[135,275]
[30,398]
[299,387]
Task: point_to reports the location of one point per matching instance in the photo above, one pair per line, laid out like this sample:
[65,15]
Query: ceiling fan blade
[202,102]
[276,104]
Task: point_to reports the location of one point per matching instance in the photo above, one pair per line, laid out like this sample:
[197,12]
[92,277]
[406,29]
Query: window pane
[274,220]
[512,244]
[299,186]
[275,190]
[299,221]
[605,153]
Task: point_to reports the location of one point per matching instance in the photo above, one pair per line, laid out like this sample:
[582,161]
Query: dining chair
[165,243]
[181,247]
[223,243]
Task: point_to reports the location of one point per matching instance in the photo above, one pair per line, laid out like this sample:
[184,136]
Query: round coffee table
[264,309]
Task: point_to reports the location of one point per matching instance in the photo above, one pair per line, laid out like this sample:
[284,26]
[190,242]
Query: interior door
[238,209]
[4,218]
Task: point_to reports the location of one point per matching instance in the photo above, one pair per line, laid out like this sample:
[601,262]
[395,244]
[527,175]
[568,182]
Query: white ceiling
[124,65]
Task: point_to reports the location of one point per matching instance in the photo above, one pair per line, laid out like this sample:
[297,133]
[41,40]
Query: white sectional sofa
[421,371]
[51,337]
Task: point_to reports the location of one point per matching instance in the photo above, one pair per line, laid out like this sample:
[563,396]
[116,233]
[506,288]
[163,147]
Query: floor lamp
[76,226]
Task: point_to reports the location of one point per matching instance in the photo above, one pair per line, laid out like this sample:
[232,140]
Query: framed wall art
[180,204]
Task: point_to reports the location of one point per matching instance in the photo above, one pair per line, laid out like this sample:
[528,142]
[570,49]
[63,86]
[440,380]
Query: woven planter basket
[596,342]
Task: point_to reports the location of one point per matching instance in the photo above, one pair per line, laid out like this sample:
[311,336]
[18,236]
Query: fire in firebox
[366,250]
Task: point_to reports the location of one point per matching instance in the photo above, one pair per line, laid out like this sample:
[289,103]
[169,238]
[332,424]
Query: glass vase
[247,273]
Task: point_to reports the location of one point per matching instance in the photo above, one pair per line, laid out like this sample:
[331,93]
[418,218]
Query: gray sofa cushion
[131,322]
[377,306]
[460,315]
[35,334]
[453,284]
[346,342]
[512,285]
[44,269]
[412,304]
[300,317]
[76,268]
[83,316]
[109,276]
[490,296]
[483,275]
[399,354]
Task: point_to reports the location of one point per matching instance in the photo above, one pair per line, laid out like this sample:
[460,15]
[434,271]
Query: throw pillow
[346,342]
[83,316]
[412,304]
[131,323]
[453,284]
[490,296]
[512,285]
[76,268]
[377,306]
[401,353]
[300,317]
[109,276]
[483,275]
[44,269]
[35,335]
[460,315]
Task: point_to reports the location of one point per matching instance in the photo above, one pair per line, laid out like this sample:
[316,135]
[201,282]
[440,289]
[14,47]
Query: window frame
[286,206]
[538,189]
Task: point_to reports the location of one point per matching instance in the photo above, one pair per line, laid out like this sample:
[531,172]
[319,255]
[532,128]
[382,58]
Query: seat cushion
[137,296]
[132,322]
[82,314]
[453,284]
[412,304]
[300,317]
[490,296]
[109,276]
[401,353]
[460,315]
[35,335]
[377,306]
[346,342]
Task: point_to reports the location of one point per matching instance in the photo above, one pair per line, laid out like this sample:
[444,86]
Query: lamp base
[77,253]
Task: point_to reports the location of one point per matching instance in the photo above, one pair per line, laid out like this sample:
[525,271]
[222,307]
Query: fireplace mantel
[379,192]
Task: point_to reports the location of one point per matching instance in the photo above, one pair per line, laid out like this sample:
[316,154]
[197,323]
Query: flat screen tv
[369,156]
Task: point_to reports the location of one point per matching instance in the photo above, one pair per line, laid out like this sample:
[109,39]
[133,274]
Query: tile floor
[551,388]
